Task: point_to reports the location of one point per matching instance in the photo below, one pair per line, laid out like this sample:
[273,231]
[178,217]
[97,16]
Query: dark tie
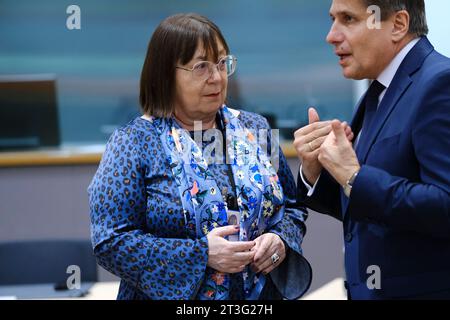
[370,108]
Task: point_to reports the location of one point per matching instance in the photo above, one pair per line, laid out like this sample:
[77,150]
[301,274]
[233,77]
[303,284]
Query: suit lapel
[387,105]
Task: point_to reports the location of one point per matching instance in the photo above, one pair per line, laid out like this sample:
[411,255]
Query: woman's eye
[222,63]
[201,66]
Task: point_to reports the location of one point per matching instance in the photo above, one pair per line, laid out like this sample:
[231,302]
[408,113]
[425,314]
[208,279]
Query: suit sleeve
[326,198]
[161,268]
[422,206]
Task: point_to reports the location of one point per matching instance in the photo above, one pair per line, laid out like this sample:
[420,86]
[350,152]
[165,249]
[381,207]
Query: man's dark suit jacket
[398,214]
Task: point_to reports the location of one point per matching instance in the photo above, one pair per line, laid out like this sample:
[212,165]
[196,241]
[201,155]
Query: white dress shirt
[385,78]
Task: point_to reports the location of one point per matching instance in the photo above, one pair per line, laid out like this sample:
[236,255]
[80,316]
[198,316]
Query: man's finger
[322,132]
[316,143]
[350,137]
[313,116]
[312,147]
[310,128]
[348,129]
[338,130]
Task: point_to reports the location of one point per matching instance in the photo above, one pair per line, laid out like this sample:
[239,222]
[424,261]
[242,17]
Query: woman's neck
[207,122]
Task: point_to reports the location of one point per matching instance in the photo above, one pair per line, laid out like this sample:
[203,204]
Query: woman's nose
[214,75]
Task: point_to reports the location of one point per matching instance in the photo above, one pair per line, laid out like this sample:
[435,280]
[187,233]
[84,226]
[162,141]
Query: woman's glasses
[202,70]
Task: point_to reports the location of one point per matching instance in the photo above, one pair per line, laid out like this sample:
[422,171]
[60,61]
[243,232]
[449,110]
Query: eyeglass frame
[214,64]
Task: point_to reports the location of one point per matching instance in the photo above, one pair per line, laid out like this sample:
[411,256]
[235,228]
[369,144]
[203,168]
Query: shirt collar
[388,74]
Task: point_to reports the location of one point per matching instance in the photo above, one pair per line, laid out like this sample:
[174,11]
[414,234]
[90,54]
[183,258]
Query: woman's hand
[267,245]
[228,256]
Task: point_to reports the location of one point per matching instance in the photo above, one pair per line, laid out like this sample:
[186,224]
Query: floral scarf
[259,194]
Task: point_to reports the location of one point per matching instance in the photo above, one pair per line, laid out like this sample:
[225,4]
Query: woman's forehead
[207,53]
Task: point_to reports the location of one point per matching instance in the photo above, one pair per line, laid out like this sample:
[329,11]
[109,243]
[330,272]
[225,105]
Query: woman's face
[197,98]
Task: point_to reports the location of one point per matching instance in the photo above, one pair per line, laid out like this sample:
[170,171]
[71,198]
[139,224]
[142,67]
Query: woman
[159,209]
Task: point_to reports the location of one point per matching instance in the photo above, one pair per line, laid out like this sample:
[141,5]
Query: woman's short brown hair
[174,41]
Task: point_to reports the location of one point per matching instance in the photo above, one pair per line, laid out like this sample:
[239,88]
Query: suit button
[348,237]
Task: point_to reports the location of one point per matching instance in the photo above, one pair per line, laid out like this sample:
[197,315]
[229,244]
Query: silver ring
[275,257]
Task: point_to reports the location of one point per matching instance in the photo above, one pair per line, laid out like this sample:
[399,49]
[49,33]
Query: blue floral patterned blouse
[138,227]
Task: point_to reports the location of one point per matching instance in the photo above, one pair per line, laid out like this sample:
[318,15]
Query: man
[388,180]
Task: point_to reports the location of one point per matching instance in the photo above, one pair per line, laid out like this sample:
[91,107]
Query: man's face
[364,53]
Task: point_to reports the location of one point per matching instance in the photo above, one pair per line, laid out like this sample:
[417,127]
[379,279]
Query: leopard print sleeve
[150,266]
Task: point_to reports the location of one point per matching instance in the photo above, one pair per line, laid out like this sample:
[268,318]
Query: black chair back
[45,261]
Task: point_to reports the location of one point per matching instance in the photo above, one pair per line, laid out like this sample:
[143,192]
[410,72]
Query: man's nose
[335,36]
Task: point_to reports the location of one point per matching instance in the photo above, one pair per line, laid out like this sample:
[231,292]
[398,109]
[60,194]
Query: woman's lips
[213,95]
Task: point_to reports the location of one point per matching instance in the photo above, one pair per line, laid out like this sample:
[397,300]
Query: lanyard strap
[229,197]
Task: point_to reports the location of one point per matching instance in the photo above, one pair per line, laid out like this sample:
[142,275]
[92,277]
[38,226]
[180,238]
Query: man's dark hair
[174,41]
[416,9]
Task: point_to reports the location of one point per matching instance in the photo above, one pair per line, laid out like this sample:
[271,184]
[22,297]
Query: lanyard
[229,197]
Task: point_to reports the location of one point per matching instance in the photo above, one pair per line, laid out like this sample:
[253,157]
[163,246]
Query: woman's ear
[400,25]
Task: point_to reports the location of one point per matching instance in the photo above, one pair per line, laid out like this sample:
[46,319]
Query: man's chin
[351,74]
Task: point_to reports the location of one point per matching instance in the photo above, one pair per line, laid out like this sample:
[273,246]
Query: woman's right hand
[228,256]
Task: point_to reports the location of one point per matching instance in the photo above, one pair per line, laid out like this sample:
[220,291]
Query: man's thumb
[338,130]
[313,116]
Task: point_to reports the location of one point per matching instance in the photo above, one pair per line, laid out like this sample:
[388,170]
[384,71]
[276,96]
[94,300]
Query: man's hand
[308,141]
[337,155]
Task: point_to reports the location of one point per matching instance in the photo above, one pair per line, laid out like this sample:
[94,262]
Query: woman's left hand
[270,252]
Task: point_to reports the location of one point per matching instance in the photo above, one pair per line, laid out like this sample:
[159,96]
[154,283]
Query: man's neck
[402,44]
[402,49]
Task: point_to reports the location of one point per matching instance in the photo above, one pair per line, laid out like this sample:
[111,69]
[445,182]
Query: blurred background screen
[284,62]
[28,112]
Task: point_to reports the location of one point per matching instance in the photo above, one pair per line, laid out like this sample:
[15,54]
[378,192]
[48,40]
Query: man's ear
[400,25]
